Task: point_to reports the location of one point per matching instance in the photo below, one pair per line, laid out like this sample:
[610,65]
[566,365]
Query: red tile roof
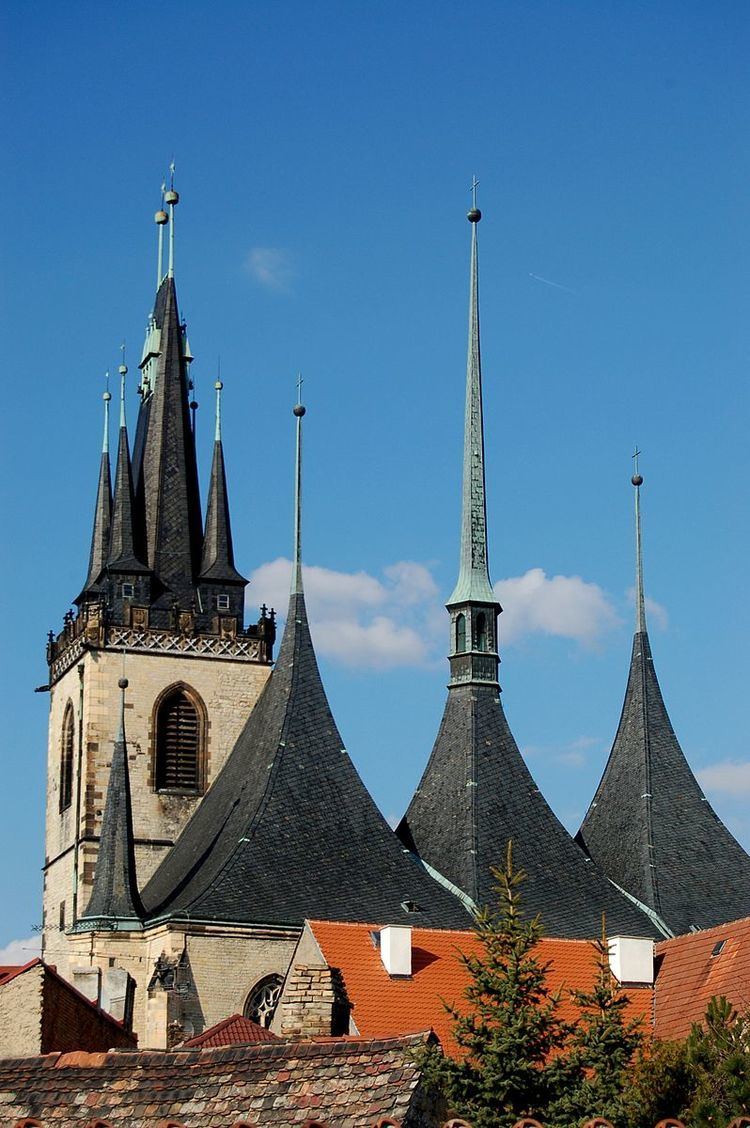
[233,1031]
[688,975]
[351,1082]
[385,1006]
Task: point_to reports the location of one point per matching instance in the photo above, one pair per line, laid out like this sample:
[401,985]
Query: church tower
[650,827]
[476,793]
[164,600]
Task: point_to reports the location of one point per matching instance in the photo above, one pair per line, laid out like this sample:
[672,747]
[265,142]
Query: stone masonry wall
[215,969]
[228,688]
[308,1003]
[21,1014]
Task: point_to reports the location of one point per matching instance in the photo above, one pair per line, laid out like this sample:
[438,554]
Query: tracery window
[261,1003]
[460,633]
[179,736]
[66,758]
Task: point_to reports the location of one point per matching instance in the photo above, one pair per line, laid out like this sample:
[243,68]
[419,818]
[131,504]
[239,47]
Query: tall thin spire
[299,411]
[160,219]
[473,582]
[107,396]
[217,560]
[123,557]
[100,533]
[115,902]
[172,199]
[640,601]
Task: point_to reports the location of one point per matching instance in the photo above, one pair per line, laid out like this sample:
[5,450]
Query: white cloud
[656,612]
[397,618]
[357,618]
[21,951]
[271,267]
[564,606]
[729,777]
[574,754]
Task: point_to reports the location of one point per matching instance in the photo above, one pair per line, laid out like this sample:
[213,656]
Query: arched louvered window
[178,724]
[66,758]
[481,631]
[460,633]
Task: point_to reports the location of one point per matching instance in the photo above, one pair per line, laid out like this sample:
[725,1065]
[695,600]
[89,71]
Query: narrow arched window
[481,631]
[179,737]
[66,758]
[460,634]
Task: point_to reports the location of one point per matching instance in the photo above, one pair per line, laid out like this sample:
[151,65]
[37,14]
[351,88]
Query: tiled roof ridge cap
[417,928]
[672,941]
[50,970]
[284,1047]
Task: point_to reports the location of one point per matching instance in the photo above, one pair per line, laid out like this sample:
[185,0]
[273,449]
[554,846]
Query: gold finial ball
[107,397]
[299,410]
[637,479]
[218,385]
[123,683]
[171,197]
[161,218]
[474,215]
[123,369]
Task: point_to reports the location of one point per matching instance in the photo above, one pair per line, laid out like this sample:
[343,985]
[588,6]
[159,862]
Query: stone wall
[228,689]
[21,1014]
[204,973]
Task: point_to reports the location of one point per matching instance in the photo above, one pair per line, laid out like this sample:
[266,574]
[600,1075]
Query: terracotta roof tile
[386,1006]
[693,968]
[233,1031]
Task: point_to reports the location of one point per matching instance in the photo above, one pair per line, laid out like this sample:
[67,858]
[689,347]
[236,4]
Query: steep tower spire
[476,794]
[160,219]
[123,561]
[217,564]
[287,831]
[650,828]
[640,602]
[102,511]
[472,606]
[299,411]
[172,199]
[168,511]
[115,903]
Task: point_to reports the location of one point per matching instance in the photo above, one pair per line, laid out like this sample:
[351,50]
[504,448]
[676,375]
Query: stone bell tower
[163,598]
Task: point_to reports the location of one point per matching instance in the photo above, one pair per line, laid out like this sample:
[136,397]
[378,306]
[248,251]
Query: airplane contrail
[549,282]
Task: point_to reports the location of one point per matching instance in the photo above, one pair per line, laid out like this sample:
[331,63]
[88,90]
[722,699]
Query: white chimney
[395,948]
[631,959]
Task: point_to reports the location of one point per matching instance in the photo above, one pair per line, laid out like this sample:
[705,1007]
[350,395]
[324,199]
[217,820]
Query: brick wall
[70,1022]
[309,1001]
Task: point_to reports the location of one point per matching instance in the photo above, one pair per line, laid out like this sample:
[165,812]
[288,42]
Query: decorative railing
[90,630]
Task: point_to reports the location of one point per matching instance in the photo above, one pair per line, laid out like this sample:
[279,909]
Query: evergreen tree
[510,1031]
[718,1052]
[602,1049]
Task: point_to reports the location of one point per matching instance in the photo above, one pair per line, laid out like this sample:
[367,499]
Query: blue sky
[324,153]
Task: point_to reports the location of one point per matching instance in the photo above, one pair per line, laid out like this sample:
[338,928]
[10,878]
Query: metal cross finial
[474,186]
[171,173]
[300,382]
[636,455]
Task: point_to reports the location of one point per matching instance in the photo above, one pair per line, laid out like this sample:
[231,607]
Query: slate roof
[122,556]
[218,552]
[288,830]
[101,528]
[345,1083]
[651,829]
[476,794]
[114,900]
[383,1005]
[692,969]
[233,1031]
[167,479]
